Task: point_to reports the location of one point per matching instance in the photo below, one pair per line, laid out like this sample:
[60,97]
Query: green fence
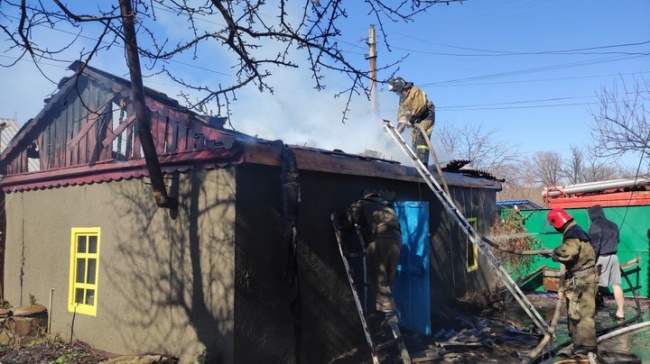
[634,225]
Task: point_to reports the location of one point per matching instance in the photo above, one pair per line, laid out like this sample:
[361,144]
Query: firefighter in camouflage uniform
[414,109]
[581,283]
[381,233]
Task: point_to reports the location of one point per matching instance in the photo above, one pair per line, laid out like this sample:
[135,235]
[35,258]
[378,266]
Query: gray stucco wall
[214,277]
[165,285]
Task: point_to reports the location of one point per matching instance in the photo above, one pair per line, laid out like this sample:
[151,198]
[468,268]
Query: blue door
[411,287]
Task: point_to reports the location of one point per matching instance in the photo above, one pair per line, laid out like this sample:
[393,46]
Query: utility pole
[372,56]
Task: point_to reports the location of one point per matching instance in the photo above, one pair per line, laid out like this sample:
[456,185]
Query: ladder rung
[389,343]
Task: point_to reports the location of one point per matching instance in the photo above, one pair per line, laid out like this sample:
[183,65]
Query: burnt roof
[217,147]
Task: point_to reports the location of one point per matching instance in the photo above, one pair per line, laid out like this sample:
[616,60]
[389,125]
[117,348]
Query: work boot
[380,323]
[390,318]
[584,350]
[600,301]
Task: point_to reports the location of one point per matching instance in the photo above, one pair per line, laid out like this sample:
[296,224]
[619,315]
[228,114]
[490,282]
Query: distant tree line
[620,127]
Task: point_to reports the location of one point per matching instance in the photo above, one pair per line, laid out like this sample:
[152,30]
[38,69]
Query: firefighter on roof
[414,109]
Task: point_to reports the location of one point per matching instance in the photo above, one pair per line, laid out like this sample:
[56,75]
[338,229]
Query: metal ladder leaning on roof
[477,240]
[397,339]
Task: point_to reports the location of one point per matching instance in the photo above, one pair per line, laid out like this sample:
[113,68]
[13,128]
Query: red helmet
[558,217]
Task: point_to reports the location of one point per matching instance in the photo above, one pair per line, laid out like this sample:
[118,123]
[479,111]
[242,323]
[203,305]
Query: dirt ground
[501,334]
[51,351]
[48,351]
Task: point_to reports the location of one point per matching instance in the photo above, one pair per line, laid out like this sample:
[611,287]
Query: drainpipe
[142,116]
[49,312]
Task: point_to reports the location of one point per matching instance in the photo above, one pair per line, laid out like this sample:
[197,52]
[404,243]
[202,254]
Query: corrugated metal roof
[522,204]
[8,130]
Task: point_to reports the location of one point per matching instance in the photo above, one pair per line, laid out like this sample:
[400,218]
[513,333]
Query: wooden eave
[259,152]
[117,171]
[315,160]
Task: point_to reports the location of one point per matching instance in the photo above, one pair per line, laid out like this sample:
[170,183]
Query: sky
[531,70]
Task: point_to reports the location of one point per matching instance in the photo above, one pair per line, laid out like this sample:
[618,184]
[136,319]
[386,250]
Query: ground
[505,334]
[51,351]
[501,335]
[55,351]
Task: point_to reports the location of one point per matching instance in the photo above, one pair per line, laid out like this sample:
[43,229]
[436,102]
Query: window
[84,270]
[471,249]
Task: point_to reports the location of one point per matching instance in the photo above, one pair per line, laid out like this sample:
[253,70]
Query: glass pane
[81,244]
[81,270]
[79,295]
[90,297]
[92,244]
[470,255]
[92,264]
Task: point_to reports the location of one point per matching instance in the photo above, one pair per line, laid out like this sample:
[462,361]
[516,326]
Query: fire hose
[556,318]
[605,333]
[534,356]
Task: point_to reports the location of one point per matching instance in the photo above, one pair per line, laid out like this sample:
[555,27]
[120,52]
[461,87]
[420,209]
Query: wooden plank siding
[79,128]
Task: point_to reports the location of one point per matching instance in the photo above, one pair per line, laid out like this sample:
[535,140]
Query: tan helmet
[396,84]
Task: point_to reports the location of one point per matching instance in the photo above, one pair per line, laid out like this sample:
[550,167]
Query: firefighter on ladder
[414,108]
[381,233]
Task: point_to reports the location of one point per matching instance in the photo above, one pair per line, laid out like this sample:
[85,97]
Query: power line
[546,79]
[498,53]
[529,70]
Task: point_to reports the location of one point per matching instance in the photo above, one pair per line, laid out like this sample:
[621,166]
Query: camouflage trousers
[382,258]
[420,145]
[581,307]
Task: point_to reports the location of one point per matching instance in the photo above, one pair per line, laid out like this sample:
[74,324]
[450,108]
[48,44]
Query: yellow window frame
[471,256]
[84,270]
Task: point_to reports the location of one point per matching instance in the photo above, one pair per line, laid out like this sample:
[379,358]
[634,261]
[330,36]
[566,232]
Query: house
[9,129]
[246,269]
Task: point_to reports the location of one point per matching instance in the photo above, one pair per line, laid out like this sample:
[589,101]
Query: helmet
[396,84]
[558,217]
[369,192]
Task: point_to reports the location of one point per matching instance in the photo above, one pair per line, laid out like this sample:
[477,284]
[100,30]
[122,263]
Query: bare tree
[573,168]
[546,167]
[481,147]
[486,152]
[260,38]
[621,122]
[582,168]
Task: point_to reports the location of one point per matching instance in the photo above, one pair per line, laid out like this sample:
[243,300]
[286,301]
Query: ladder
[395,331]
[477,240]
[397,337]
